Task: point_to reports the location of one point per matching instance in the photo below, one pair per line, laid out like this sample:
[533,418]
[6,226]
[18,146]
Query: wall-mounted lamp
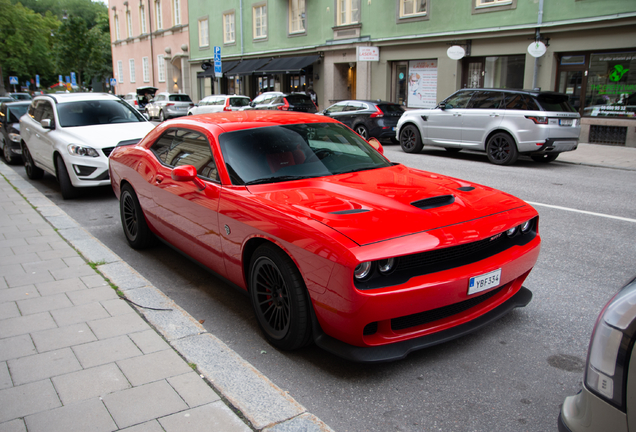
[126,3]
[114,8]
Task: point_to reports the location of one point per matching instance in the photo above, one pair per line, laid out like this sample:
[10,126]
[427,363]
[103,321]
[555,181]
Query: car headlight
[511,231]
[362,270]
[15,137]
[610,345]
[386,266]
[78,150]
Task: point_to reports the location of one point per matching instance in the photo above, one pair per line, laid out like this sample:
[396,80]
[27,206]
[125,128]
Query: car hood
[382,204]
[107,135]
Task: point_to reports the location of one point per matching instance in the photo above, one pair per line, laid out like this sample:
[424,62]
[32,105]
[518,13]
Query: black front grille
[430,316]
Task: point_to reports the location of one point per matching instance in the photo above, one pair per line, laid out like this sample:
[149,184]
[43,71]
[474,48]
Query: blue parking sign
[218,69]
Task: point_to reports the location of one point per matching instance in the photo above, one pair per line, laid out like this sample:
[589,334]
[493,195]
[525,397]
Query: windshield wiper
[357,169]
[275,179]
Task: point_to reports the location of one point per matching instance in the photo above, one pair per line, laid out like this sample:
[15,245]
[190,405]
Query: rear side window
[185,147]
[180,98]
[298,99]
[555,103]
[486,100]
[239,102]
[516,101]
[391,108]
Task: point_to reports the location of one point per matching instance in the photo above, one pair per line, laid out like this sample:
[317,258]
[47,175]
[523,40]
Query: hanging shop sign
[367,53]
[456,52]
[537,49]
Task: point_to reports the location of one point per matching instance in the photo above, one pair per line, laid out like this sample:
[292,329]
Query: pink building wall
[133,45]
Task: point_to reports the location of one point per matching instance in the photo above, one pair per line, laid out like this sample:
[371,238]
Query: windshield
[180,98]
[280,153]
[96,112]
[239,102]
[15,112]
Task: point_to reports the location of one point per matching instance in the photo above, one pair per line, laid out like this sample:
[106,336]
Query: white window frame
[142,19]
[176,12]
[297,15]
[489,3]
[346,11]
[116,23]
[129,27]
[145,65]
[259,21]
[120,71]
[161,68]
[158,16]
[131,67]
[229,33]
[413,12]
[204,32]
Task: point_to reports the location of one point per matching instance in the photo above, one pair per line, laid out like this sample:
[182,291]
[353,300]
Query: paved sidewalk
[76,357]
[602,156]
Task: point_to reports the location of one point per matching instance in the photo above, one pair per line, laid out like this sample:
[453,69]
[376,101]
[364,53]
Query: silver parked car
[218,103]
[607,401]
[167,105]
[502,123]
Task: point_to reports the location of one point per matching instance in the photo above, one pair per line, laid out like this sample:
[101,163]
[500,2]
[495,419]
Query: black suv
[370,119]
[284,102]
[10,113]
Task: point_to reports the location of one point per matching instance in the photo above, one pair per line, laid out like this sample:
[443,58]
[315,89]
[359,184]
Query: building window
[120,71]
[348,12]
[129,24]
[146,68]
[117,35]
[204,34]
[409,8]
[142,18]
[296,16]
[161,66]
[259,16]
[131,64]
[611,85]
[158,15]
[228,28]
[504,72]
[481,6]
[177,11]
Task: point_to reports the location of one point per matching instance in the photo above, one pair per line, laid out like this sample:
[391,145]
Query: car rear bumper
[558,145]
[585,412]
[399,350]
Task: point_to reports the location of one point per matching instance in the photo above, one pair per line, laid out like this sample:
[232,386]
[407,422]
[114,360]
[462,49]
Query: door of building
[572,79]
[474,70]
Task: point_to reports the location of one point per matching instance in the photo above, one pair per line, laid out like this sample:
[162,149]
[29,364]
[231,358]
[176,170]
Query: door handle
[457,115]
[494,115]
[158,179]
[37,135]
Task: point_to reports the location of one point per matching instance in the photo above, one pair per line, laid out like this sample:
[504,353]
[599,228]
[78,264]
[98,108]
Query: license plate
[483,282]
[566,122]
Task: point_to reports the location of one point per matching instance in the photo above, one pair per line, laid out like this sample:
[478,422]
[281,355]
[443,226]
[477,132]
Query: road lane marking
[583,212]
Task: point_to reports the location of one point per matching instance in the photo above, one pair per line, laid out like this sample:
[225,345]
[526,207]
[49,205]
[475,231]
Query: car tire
[502,149]
[162,117]
[133,221]
[279,298]
[362,131]
[66,187]
[410,139]
[545,158]
[6,152]
[32,172]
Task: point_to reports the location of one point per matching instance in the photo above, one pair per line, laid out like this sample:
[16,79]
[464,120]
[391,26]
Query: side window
[516,101]
[459,100]
[186,147]
[336,108]
[355,107]
[486,100]
[32,109]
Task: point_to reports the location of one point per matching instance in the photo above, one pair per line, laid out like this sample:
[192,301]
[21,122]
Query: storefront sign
[537,49]
[422,85]
[368,53]
[456,52]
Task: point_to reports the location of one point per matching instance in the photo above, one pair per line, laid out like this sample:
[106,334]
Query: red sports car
[333,243]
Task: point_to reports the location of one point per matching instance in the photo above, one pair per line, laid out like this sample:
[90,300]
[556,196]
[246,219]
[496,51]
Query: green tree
[73,46]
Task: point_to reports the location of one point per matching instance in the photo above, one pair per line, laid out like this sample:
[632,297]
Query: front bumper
[399,350]
[88,172]
[585,412]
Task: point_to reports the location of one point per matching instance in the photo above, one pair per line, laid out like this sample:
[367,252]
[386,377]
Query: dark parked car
[284,102]
[10,113]
[370,119]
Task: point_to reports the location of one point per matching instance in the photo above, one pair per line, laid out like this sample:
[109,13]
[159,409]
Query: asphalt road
[510,376]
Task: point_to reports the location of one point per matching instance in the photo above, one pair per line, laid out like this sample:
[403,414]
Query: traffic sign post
[218,69]
[13,80]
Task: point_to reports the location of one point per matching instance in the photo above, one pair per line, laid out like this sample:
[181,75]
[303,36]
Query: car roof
[377,101]
[77,97]
[529,92]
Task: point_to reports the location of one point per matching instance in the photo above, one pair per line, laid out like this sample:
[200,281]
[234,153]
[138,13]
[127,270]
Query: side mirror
[442,105]
[376,145]
[186,173]
[252,104]
[46,124]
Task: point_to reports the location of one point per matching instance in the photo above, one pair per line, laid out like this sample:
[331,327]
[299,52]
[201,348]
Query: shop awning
[287,65]
[247,67]
[226,67]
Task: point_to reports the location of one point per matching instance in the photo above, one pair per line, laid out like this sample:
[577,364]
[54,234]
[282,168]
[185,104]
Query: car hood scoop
[382,204]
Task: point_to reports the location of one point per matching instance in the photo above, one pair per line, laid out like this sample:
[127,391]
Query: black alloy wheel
[138,235]
[410,139]
[279,298]
[32,172]
[66,187]
[501,149]
[545,158]
[362,131]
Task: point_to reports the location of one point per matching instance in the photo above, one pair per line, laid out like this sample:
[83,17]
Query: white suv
[219,103]
[502,123]
[71,135]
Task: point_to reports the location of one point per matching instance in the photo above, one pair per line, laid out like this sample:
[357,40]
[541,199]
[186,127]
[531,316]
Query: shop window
[228,28]
[415,83]
[611,85]
[259,20]
[296,16]
[504,72]
[348,12]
